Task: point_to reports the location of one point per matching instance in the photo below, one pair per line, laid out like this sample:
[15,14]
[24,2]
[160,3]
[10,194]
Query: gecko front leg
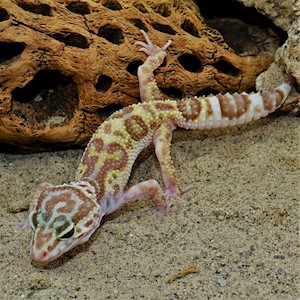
[149,90]
[163,135]
[152,189]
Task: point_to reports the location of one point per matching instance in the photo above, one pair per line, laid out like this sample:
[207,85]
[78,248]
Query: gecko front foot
[22,222]
[149,48]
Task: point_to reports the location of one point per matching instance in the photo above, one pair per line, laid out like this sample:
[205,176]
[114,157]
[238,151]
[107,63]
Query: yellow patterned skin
[66,215]
[114,147]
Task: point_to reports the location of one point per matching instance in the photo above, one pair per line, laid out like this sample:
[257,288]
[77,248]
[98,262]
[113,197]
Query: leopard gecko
[63,216]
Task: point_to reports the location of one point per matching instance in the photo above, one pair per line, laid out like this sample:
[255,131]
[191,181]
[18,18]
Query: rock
[285,14]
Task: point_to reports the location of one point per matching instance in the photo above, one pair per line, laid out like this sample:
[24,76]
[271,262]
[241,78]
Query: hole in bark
[139,24]
[71,39]
[113,5]
[164,28]
[133,67]
[3,15]
[206,92]
[50,96]
[172,92]
[163,10]
[78,7]
[243,28]
[227,68]
[41,9]
[9,50]
[112,34]
[251,90]
[43,83]
[140,7]
[103,83]
[189,27]
[190,62]
[211,9]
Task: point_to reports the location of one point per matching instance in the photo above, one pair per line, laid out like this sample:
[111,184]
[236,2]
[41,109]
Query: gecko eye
[68,234]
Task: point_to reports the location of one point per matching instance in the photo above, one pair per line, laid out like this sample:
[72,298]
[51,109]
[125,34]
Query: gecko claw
[166,45]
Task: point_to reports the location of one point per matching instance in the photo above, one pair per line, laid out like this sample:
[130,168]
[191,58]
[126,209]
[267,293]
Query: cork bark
[66,65]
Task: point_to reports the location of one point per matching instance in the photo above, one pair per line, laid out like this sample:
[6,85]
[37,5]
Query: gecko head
[63,216]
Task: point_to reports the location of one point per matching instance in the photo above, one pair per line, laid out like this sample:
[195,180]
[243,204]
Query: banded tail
[229,109]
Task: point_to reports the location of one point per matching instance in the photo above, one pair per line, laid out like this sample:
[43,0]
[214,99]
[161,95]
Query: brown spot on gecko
[116,189]
[190,108]
[247,102]
[88,223]
[233,109]
[240,104]
[119,133]
[129,144]
[164,106]
[223,105]
[148,108]
[268,101]
[209,111]
[136,127]
[107,128]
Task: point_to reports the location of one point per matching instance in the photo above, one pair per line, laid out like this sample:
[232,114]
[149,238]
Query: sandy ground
[238,226]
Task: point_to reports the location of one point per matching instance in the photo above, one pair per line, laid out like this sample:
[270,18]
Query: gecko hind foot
[173,196]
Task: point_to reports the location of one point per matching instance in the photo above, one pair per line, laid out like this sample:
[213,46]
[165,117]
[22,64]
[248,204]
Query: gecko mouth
[43,257]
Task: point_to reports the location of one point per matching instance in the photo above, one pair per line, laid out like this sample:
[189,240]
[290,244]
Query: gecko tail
[284,89]
[229,109]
